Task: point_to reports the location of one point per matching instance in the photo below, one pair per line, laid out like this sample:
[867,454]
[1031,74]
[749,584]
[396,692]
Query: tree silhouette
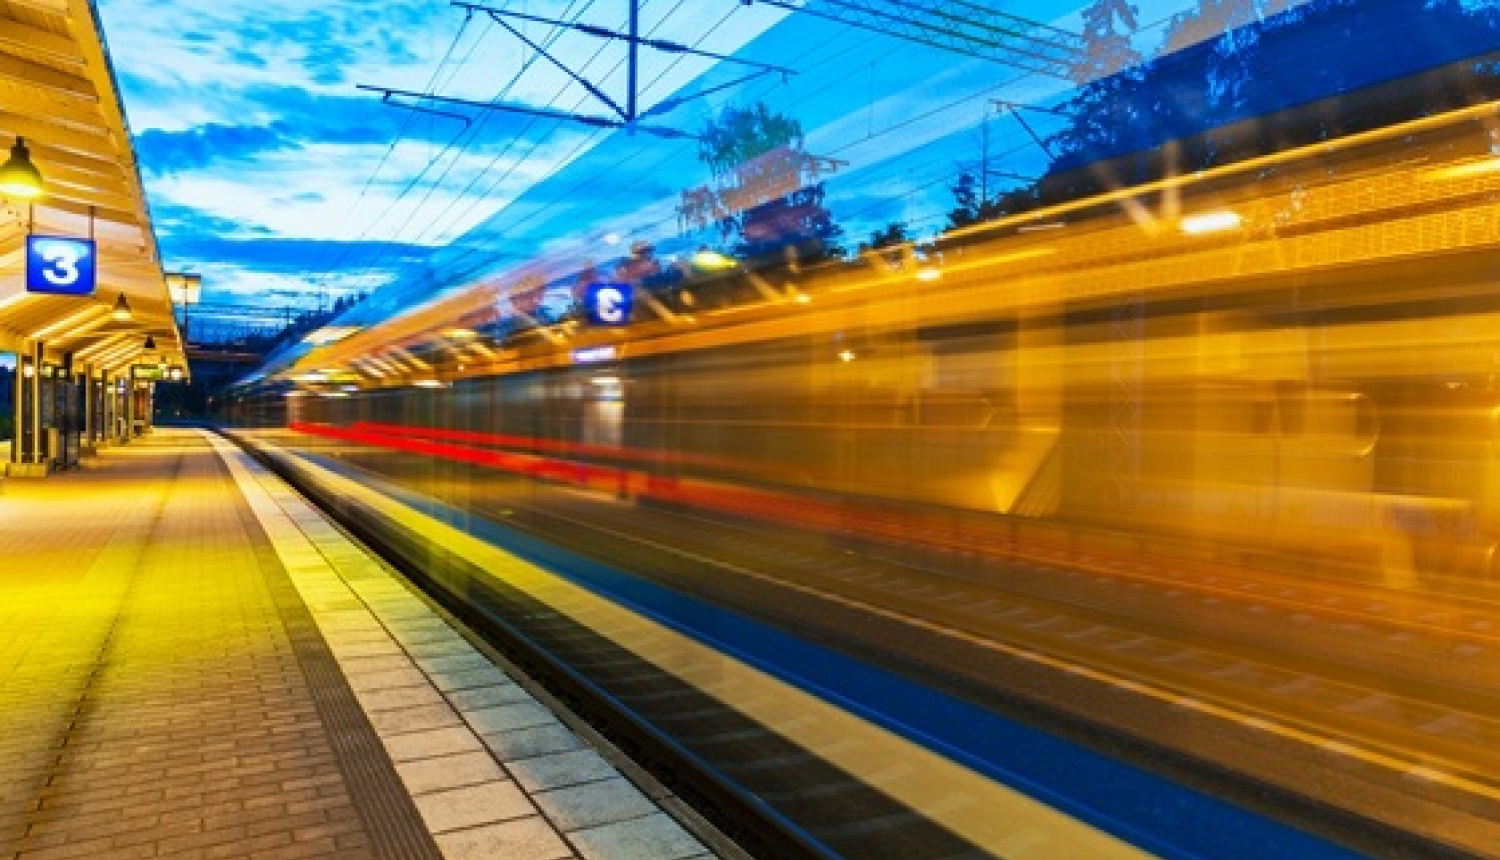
[1230,62]
[973,210]
[884,245]
[1106,51]
[1247,77]
[889,236]
[966,196]
[755,145]
[796,230]
[1212,19]
[1239,78]
[740,135]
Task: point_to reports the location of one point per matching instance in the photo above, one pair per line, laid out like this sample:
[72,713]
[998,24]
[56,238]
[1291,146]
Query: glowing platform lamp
[121,312]
[18,176]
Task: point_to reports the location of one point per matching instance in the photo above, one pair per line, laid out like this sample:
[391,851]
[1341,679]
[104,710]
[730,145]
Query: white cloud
[266,73]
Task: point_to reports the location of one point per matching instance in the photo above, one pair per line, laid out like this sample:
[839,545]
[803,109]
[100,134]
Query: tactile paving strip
[492,771]
[387,810]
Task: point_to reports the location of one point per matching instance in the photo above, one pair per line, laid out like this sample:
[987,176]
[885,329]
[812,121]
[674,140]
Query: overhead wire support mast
[386,99]
[1015,109]
[597,121]
[605,33]
[630,113]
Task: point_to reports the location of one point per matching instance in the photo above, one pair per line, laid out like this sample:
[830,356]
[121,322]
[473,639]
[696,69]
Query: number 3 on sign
[609,304]
[63,271]
[59,265]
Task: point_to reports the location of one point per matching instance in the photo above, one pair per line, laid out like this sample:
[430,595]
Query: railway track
[1098,625]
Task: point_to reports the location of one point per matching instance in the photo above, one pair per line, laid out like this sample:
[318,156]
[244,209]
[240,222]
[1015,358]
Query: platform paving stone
[556,770]
[454,771]
[526,837]
[474,809]
[522,744]
[654,837]
[195,663]
[594,804]
[166,708]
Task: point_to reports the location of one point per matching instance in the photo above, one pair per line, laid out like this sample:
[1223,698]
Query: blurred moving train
[1291,360]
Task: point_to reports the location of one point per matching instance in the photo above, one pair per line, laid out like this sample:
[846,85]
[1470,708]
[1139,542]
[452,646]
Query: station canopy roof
[58,93]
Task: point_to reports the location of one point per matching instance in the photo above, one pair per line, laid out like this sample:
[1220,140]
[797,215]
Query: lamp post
[185,288]
[20,179]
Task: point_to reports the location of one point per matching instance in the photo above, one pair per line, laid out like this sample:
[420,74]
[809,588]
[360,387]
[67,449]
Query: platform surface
[194,663]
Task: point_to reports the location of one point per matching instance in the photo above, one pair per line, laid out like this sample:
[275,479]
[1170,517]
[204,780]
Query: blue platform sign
[60,265]
[608,304]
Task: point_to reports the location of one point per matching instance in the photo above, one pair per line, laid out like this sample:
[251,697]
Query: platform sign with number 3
[60,265]
[608,304]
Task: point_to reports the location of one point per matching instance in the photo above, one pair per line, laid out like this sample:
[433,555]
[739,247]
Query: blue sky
[272,175]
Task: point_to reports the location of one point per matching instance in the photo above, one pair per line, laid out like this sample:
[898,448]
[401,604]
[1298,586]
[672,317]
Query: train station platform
[195,663]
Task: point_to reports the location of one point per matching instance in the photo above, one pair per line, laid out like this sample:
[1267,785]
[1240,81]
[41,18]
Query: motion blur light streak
[856,745]
[1188,457]
[329,334]
[1211,222]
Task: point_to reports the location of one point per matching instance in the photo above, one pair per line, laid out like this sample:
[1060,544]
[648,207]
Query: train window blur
[1141,385]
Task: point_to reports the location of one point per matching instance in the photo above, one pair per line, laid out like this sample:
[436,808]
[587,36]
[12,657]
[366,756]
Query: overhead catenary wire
[939,163]
[325,268]
[539,211]
[603,33]
[473,132]
[958,102]
[587,181]
[573,153]
[819,51]
[834,84]
[350,248]
[567,159]
[476,199]
[964,34]
[532,122]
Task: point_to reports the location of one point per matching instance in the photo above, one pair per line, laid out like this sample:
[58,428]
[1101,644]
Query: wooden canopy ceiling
[57,90]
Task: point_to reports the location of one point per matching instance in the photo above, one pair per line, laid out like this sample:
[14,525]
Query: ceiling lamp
[121,311]
[19,177]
